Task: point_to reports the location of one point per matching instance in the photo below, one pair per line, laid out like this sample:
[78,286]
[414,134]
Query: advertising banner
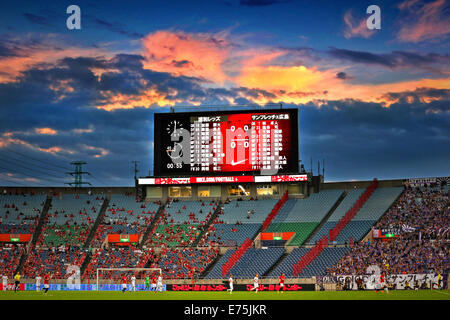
[398,280]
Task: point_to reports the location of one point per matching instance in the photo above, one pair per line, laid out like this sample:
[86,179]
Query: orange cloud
[195,55]
[6,140]
[48,131]
[424,21]
[145,99]
[101,152]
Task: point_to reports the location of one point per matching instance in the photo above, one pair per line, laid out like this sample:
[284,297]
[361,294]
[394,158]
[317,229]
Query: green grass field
[306,295]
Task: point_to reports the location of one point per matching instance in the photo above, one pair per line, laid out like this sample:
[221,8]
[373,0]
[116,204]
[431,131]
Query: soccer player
[133,283]
[38,283]
[230,283]
[124,283]
[46,282]
[147,282]
[5,282]
[383,283]
[153,283]
[281,280]
[16,282]
[255,284]
[159,285]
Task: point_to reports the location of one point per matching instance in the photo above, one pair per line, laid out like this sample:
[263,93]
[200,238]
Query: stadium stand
[421,217]
[344,206]
[19,213]
[69,220]
[124,257]
[396,257]
[180,263]
[370,212]
[303,216]
[124,215]
[57,262]
[9,258]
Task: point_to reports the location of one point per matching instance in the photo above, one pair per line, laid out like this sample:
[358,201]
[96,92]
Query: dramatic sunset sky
[372,103]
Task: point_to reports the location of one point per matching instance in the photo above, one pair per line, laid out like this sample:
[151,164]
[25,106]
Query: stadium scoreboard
[224,142]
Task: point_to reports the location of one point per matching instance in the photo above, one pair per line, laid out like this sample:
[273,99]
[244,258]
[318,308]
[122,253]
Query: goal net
[118,273]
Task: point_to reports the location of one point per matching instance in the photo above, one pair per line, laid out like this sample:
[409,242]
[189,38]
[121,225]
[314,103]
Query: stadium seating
[9,259]
[195,212]
[56,262]
[303,216]
[184,262]
[370,212]
[173,235]
[124,215]
[115,258]
[256,261]
[232,234]
[238,211]
[286,265]
[328,257]
[20,213]
[70,219]
[349,200]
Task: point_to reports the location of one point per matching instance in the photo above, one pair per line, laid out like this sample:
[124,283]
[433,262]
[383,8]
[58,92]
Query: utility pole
[78,175]
[136,170]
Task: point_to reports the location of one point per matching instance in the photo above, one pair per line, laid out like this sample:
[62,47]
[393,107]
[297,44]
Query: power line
[21,173]
[27,156]
[45,168]
[5,179]
[95,178]
[33,169]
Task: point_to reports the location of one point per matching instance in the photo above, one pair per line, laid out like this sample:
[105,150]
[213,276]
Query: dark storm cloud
[390,60]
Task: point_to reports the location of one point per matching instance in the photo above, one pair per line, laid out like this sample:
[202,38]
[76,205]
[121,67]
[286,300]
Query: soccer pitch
[306,295]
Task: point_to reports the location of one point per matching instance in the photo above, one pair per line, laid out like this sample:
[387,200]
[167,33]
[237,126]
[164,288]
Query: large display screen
[213,143]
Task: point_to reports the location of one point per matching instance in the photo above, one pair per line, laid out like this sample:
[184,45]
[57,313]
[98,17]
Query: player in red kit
[281,280]
[46,282]
[124,283]
[383,283]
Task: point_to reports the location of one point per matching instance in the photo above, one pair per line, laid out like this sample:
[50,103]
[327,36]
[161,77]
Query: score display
[213,143]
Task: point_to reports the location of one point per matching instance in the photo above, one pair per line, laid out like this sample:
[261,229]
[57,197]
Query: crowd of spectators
[182,263]
[394,257]
[420,218]
[115,257]
[59,262]
[420,213]
[9,258]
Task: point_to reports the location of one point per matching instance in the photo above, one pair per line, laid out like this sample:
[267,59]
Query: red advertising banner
[7,237]
[123,238]
[276,235]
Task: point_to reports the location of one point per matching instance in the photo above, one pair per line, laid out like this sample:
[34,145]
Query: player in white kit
[38,283]
[5,282]
[230,282]
[159,285]
[255,283]
[133,283]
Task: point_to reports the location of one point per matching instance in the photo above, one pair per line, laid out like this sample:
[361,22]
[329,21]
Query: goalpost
[127,269]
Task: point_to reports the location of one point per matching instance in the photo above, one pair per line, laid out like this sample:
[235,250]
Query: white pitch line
[448,294]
